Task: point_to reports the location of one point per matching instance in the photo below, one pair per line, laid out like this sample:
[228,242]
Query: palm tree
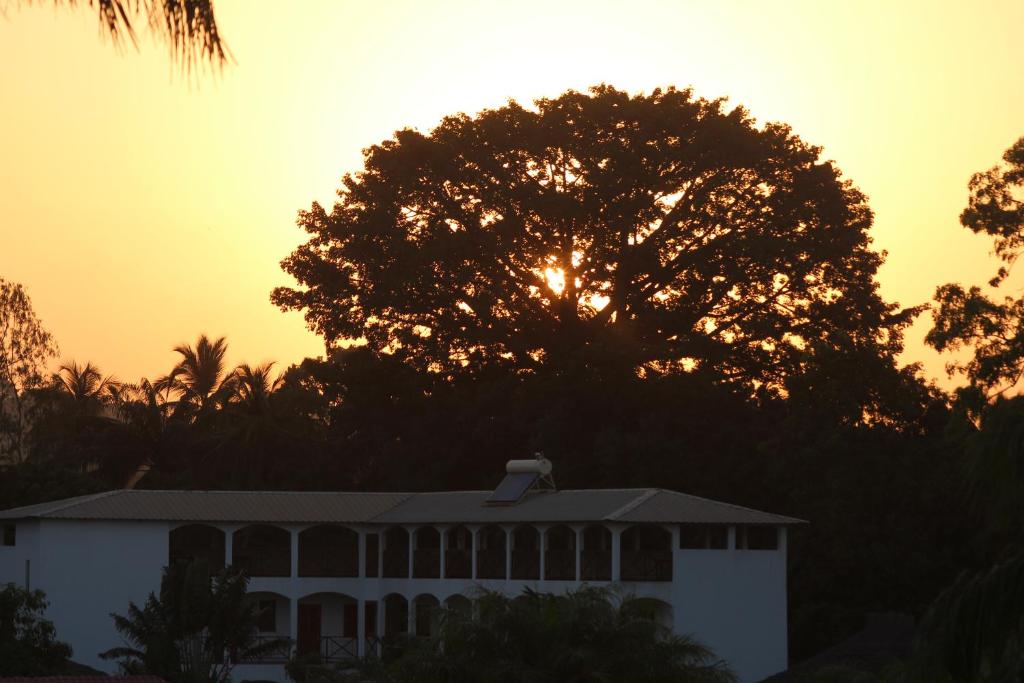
[89,391]
[196,631]
[188,26]
[199,379]
[588,636]
[253,387]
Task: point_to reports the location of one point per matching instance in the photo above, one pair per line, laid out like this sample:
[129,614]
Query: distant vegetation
[651,290]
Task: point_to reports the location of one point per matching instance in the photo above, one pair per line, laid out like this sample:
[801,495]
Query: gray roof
[584,505]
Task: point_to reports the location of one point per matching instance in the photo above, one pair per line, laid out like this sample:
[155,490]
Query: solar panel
[513,486]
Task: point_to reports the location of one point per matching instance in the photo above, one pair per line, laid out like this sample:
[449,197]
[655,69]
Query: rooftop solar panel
[513,487]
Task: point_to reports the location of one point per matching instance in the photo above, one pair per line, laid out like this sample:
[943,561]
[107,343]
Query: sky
[141,207]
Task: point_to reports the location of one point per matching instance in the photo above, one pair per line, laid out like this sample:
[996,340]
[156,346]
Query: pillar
[444,542]
[508,554]
[616,553]
[412,548]
[731,544]
[361,559]
[229,546]
[543,532]
[472,551]
[361,624]
[410,625]
[579,553]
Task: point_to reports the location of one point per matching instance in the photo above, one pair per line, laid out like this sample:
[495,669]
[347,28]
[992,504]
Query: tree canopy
[657,232]
[28,642]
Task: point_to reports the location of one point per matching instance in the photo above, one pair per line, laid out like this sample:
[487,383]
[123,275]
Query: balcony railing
[338,648]
[596,565]
[458,564]
[490,564]
[526,564]
[560,565]
[270,649]
[646,565]
[396,563]
[426,563]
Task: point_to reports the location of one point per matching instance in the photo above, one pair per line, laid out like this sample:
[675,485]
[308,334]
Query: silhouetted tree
[993,330]
[651,233]
[88,389]
[199,380]
[25,348]
[28,642]
[196,631]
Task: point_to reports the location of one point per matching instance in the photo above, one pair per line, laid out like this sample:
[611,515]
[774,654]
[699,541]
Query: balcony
[560,565]
[526,564]
[396,563]
[458,564]
[426,563]
[596,565]
[269,649]
[490,564]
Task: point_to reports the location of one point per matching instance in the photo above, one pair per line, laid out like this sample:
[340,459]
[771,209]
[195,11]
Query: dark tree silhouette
[992,329]
[28,642]
[652,233]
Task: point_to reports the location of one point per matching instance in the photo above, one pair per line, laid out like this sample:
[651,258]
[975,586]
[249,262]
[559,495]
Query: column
[543,532]
[443,531]
[616,553]
[412,548]
[361,624]
[229,546]
[579,553]
[293,621]
[508,554]
[295,553]
[472,550]
[731,544]
[361,560]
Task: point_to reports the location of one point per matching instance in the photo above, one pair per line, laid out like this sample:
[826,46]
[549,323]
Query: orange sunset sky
[141,207]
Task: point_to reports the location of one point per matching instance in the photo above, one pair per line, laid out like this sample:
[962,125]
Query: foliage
[196,631]
[28,644]
[199,379]
[25,347]
[651,233]
[589,635]
[966,318]
[188,26]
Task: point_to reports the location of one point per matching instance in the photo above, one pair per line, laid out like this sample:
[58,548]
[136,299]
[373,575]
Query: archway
[263,550]
[596,554]
[560,554]
[328,550]
[197,542]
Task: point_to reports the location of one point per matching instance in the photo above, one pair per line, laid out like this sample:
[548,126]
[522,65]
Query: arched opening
[646,553]
[428,615]
[396,615]
[272,626]
[560,554]
[426,561]
[328,626]
[328,550]
[490,558]
[197,542]
[525,553]
[396,553]
[263,550]
[459,604]
[596,554]
[458,548]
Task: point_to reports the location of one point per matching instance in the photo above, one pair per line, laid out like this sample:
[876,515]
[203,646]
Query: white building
[338,571]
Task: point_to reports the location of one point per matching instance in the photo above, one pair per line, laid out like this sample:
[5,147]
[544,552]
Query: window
[703,537]
[9,534]
[267,621]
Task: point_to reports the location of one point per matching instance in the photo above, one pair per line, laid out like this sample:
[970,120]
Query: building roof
[585,505]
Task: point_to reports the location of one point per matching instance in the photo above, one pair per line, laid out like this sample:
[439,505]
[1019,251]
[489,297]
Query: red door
[309,629]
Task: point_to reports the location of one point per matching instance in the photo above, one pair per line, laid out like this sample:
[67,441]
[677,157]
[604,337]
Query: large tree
[651,232]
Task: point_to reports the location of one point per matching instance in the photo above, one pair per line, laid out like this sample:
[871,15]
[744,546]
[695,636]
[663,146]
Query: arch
[646,553]
[197,542]
[458,548]
[328,550]
[428,613]
[426,561]
[525,553]
[328,626]
[263,550]
[396,553]
[560,554]
[272,624]
[459,604]
[490,554]
[596,554]
[396,615]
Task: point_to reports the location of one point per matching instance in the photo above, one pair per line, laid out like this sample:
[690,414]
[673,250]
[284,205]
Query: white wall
[89,569]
